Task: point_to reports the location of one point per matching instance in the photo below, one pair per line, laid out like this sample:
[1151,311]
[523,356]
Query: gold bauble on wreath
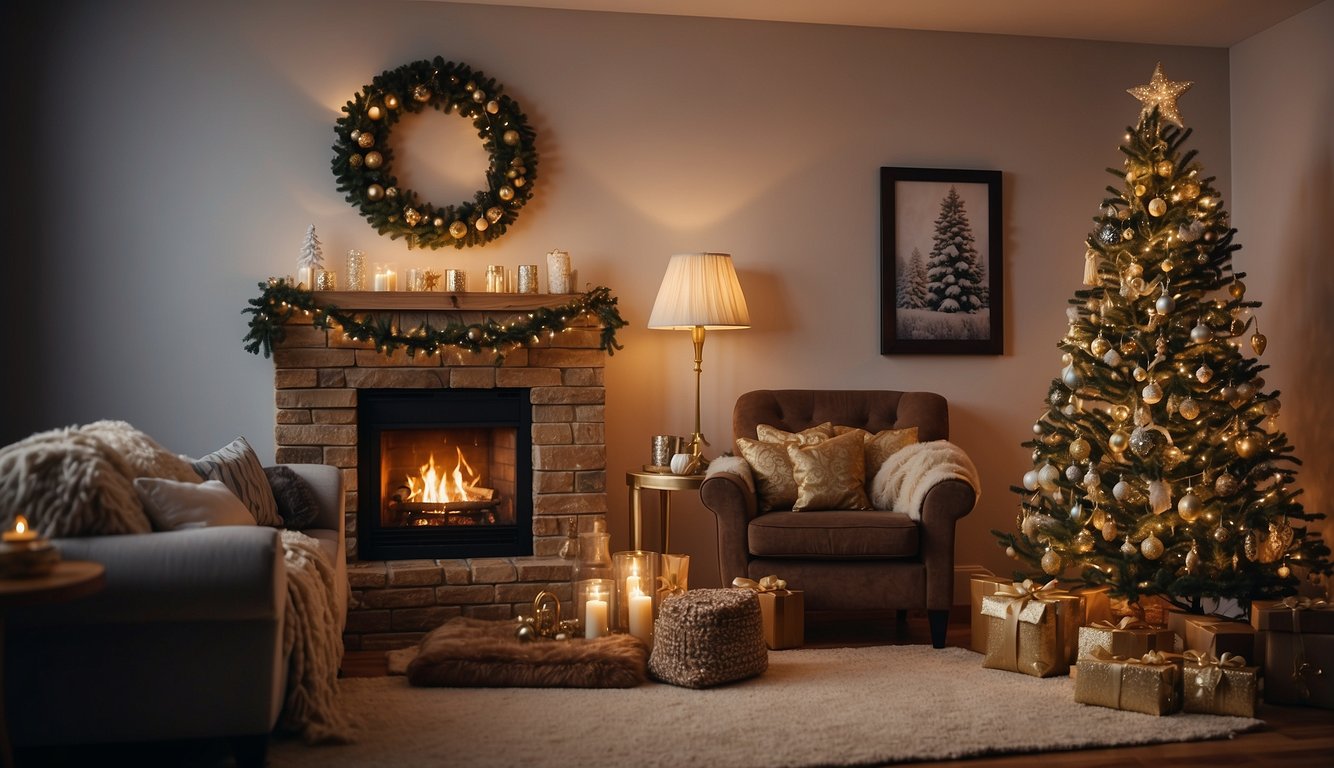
[367,178]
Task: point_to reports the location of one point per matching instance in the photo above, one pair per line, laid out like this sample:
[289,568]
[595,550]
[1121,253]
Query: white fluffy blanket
[313,645]
[906,476]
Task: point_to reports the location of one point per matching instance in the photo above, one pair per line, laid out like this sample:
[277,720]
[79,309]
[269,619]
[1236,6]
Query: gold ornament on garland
[369,182]
[280,300]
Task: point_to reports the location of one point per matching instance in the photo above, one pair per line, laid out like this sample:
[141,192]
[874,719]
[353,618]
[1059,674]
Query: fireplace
[445,473]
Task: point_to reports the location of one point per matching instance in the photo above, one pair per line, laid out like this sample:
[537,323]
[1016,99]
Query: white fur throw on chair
[906,476]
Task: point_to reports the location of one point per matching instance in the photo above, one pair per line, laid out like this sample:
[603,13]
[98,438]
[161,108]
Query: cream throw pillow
[830,474]
[175,504]
[772,471]
[771,434]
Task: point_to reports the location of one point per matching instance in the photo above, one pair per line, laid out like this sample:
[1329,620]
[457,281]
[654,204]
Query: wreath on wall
[363,161]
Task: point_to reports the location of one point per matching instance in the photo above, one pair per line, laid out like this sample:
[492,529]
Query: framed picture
[940,262]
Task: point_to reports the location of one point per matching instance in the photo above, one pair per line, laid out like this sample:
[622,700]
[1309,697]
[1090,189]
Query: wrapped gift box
[1149,685]
[980,586]
[1297,638]
[1213,635]
[1127,639]
[1097,603]
[783,613]
[1219,686]
[1030,632]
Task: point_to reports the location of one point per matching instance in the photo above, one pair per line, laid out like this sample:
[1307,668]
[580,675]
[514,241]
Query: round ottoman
[708,637]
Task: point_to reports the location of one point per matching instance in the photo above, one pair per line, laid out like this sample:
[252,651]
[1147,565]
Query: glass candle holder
[635,574]
[558,272]
[527,278]
[593,601]
[456,281]
[416,280]
[326,280]
[356,270]
[386,279]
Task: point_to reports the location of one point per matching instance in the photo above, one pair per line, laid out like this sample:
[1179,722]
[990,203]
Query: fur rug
[906,476]
[478,653]
[313,645]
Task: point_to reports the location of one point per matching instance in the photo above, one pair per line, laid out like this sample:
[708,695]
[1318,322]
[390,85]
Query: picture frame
[931,301]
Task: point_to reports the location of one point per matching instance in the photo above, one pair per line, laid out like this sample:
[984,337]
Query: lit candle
[21,533]
[641,610]
[306,276]
[381,281]
[595,615]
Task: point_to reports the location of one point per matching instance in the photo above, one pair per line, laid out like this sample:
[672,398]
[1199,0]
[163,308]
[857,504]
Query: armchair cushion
[772,469]
[830,474]
[237,466]
[174,504]
[771,434]
[833,535]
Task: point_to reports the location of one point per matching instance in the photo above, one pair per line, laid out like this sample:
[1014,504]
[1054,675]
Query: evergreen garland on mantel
[280,300]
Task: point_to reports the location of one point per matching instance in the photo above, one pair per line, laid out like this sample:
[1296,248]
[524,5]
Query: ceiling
[1210,23]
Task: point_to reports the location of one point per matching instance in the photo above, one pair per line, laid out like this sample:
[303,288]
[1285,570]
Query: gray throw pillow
[296,501]
[237,466]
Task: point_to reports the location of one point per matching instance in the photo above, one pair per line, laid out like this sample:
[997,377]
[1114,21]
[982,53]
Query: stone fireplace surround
[394,603]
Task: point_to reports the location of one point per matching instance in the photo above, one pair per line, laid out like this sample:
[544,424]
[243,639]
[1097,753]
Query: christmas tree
[1159,467]
[311,258]
[911,284]
[953,270]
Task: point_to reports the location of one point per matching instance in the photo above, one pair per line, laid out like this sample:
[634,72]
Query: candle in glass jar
[595,616]
[21,532]
[641,609]
[386,280]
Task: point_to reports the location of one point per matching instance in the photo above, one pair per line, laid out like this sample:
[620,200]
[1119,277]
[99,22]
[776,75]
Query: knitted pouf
[707,637]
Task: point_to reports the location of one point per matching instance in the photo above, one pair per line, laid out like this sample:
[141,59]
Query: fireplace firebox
[444,473]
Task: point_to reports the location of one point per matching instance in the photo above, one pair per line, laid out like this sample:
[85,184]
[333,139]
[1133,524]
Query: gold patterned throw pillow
[881,445]
[830,474]
[772,471]
[771,434]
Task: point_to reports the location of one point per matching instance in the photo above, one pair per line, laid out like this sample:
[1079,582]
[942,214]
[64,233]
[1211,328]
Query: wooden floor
[1293,737]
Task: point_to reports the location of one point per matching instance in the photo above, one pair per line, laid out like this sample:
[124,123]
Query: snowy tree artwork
[941,241]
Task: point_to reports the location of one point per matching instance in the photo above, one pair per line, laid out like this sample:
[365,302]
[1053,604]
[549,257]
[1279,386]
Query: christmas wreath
[363,160]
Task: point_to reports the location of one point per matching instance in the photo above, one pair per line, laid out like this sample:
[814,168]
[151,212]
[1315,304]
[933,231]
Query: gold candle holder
[456,281]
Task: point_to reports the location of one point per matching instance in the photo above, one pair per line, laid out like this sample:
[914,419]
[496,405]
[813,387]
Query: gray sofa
[184,642]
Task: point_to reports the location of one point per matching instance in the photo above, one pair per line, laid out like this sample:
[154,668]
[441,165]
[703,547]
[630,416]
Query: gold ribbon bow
[1305,604]
[671,585]
[1126,622]
[766,584]
[1209,673]
[1302,670]
[1020,594]
[1150,658]
[1204,658]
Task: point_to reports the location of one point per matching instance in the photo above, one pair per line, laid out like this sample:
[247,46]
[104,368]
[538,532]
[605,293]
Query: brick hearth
[394,603]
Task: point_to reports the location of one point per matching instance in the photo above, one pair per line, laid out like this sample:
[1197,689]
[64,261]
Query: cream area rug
[813,707]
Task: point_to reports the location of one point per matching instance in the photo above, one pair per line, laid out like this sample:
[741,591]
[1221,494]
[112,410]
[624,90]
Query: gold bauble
[1139,373]
[1236,289]
[511,173]
[520,181]
[1118,441]
[1152,547]
[1284,571]
[1084,541]
[1140,189]
[412,216]
[1051,562]
[1204,373]
[1099,346]
[1164,168]
[355,161]
[366,140]
[1189,409]
[1009,552]
[374,112]
[1157,206]
[421,93]
[479,96]
[494,214]
[1127,234]
[457,230]
[374,159]
[1109,531]
[506,193]
[391,192]
[1120,412]
[481,224]
[375,193]
[1127,548]
[1246,446]
[1258,343]
[1192,559]
[1226,485]
[391,101]
[474,333]
[1189,506]
[492,107]
[1151,393]
[1079,449]
[1220,534]
[510,137]
[1190,189]
[438,222]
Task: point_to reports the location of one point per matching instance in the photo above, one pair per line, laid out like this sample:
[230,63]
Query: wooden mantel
[438,300]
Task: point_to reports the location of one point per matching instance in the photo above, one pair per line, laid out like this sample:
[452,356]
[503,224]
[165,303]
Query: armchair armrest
[729,497]
[225,573]
[944,504]
[327,483]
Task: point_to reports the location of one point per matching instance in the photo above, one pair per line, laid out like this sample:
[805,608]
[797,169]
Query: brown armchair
[844,560]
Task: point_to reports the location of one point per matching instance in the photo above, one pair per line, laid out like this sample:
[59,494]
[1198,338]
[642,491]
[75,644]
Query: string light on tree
[1157,418]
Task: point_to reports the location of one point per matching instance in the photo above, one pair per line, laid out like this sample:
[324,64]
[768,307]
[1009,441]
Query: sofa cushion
[771,434]
[174,504]
[830,474]
[772,469]
[881,445]
[296,501]
[834,534]
[237,466]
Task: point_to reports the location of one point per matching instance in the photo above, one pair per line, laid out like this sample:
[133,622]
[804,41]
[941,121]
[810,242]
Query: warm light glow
[20,524]
[700,289]
[435,486]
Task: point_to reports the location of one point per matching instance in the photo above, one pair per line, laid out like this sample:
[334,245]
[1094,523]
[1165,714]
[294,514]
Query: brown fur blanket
[473,652]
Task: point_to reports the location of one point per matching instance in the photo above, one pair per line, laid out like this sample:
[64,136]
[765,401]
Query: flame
[20,524]
[436,487]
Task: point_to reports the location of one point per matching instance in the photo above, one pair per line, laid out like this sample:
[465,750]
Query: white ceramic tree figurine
[311,259]
[1159,467]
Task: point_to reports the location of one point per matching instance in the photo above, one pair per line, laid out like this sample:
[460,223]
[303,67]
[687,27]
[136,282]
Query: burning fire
[438,487]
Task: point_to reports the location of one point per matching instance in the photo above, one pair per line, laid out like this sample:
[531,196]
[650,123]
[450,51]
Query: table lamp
[699,292]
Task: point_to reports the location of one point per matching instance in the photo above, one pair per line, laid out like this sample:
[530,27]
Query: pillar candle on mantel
[385,279]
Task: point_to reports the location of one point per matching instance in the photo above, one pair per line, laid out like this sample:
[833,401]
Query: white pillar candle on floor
[595,618]
[641,610]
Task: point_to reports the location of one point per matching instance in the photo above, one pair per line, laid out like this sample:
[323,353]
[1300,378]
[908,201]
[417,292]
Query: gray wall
[178,154]
[1282,108]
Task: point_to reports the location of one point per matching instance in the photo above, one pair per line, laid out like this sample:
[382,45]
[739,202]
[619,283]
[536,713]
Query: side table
[70,579]
[664,484]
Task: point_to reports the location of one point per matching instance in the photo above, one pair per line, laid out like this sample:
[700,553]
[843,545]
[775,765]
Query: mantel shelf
[411,301]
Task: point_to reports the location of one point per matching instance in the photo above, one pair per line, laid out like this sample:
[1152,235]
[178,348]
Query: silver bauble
[1151,393]
[1152,547]
[1073,473]
[1226,485]
[1192,560]
[1031,480]
[1092,479]
[1165,304]
[1070,377]
[1201,333]
[1122,490]
[1009,552]
[1048,476]
[1128,549]
[1143,442]
[1112,358]
[1188,409]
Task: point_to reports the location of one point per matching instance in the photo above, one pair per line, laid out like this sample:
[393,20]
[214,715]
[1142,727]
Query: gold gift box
[1213,635]
[1097,603]
[783,614]
[1126,639]
[980,586]
[1223,686]
[1031,633]
[1134,685]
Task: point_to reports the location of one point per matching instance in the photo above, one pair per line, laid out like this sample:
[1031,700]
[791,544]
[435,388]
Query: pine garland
[279,300]
[362,160]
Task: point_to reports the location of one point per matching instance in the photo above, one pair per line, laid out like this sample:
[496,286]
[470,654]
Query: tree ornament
[506,193]
[1228,392]
[1226,485]
[1084,541]
[1284,571]
[1220,534]
[1099,345]
[1152,547]
[1258,343]
[1128,549]
[412,216]
[438,222]
[1188,409]
[1160,497]
[494,214]
[1112,358]
[1273,546]
[1236,289]
[1189,506]
[1204,373]
[1009,552]
[457,229]
[1246,446]
[1164,168]
[1031,480]
[481,224]
[1109,531]
[1250,545]
[369,119]
[1193,559]
[1201,333]
[1079,449]
[1172,457]
[1165,303]
[1118,441]
[1030,526]
[1245,391]
[1076,511]
[475,333]
[1048,477]
[1051,562]
[1139,373]
[1092,479]
[1109,234]
[1161,93]
[1070,377]
[1151,394]
[375,193]
[1073,473]
[1157,206]
[1190,189]
[1122,490]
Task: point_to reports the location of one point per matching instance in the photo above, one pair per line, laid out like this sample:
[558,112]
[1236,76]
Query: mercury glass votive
[456,281]
[527,278]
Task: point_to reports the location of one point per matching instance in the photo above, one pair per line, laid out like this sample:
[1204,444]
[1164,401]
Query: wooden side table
[664,484]
[69,580]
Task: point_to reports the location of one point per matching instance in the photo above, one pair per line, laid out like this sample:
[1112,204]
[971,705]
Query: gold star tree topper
[1161,93]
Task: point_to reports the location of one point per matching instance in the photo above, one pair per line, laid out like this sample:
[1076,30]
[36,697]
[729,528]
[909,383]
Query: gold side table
[664,484]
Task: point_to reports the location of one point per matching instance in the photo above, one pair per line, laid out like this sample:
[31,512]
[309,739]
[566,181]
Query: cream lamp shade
[700,289]
[699,292]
